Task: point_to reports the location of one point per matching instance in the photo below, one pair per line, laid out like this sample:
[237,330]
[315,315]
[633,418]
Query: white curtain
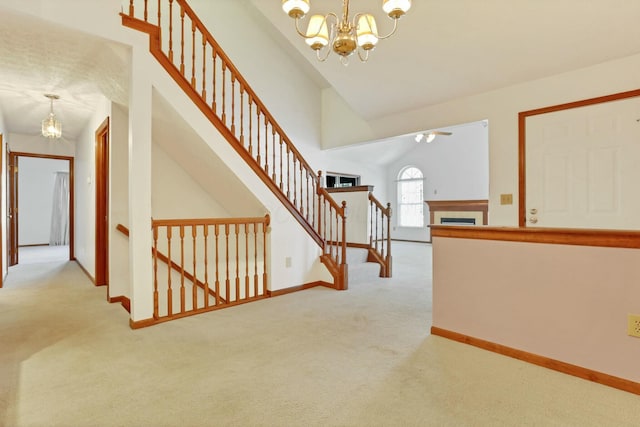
[60,212]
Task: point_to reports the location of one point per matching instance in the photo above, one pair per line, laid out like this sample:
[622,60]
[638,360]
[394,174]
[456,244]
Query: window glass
[410,198]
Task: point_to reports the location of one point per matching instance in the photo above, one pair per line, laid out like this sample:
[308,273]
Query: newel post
[320,207]
[388,258]
[344,233]
[344,268]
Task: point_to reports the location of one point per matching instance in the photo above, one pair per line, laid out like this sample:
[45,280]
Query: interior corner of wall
[340,124]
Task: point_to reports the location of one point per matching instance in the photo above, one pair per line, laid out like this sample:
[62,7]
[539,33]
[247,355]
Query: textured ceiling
[39,57]
[446,49]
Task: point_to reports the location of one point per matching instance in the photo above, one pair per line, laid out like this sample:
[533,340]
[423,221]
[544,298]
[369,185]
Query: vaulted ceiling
[443,50]
[447,49]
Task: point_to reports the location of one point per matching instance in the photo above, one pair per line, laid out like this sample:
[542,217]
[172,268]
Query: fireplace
[457,221]
[458,212]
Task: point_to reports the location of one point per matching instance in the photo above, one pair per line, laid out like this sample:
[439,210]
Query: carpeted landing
[363,357]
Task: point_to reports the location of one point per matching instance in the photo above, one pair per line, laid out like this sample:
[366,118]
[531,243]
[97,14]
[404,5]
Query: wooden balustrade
[201,265]
[215,85]
[379,234]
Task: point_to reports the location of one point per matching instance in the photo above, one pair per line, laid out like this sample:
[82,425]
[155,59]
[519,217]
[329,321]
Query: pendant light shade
[51,126]
[317,32]
[367,32]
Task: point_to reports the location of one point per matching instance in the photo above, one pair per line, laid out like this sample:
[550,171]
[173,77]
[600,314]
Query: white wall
[341,126]
[358,214]
[175,194]
[36,179]
[455,167]
[3,199]
[37,144]
[292,97]
[287,238]
[301,116]
[85,189]
[119,284]
[564,302]
[501,108]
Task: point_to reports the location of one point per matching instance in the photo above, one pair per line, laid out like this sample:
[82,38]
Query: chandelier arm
[324,20]
[366,55]
[323,58]
[354,22]
[395,27]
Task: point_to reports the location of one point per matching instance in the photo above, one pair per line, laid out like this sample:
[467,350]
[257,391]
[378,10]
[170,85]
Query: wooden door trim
[12,203]
[102,205]
[72,227]
[2,261]
[522,118]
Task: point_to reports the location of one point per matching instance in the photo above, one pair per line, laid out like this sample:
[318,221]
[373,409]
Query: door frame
[102,205]
[522,132]
[13,232]
[12,204]
[2,258]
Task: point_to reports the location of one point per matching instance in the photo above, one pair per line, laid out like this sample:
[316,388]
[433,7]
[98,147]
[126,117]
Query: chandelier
[51,127]
[343,35]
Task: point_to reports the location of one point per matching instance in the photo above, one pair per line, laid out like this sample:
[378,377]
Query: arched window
[410,199]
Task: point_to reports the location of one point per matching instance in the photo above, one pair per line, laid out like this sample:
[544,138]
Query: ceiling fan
[430,136]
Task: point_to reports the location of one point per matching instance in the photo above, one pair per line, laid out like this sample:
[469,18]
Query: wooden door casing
[606,160]
[12,203]
[102,204]
[12,210]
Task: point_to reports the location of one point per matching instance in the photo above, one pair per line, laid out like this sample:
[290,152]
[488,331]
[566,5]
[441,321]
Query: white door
[583,167]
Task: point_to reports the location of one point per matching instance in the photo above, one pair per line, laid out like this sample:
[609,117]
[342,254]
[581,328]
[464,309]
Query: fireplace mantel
[459,208]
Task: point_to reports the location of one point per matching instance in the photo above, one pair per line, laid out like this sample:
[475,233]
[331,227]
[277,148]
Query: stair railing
[201,265]
[189,53]
[379,234]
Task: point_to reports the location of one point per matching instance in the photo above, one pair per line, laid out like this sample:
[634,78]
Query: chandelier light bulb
[295,8]
[396,8]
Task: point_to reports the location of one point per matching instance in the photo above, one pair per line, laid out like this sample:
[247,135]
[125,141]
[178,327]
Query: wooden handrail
[380,232]
[124,230]
[230,66]
[162,257]
[206,235]
[209,221]
[376,202]
[208,76]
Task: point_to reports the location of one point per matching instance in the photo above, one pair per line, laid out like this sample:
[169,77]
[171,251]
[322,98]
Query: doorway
[102,204]
[578,164]
[37,176]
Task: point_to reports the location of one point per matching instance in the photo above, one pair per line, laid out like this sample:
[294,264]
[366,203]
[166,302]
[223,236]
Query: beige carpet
[315,358]
[39,254]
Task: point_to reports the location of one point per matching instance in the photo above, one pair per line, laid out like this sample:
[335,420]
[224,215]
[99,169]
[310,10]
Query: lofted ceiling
[443,49]
[447,49]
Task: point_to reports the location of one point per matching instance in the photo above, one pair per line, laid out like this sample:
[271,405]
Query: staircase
[361,270]
[191,56]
